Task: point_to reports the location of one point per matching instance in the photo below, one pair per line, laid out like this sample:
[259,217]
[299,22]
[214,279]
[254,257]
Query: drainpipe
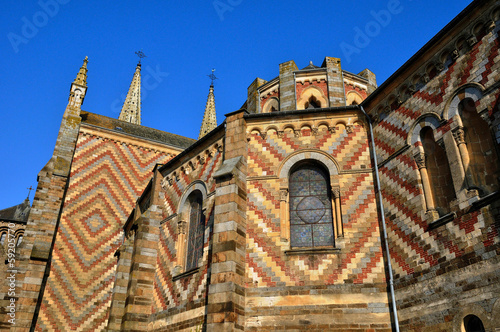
[294,90]
[384,229]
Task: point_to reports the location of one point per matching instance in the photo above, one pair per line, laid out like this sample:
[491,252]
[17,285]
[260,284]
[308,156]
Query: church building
[325,203]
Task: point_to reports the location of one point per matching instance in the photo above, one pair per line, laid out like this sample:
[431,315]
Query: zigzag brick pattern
[107,176]
[442,258]
[293,279]
[179,304]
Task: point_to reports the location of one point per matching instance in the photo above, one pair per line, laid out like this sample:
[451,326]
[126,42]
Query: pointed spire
[131,110]
[81,77]
[209,118]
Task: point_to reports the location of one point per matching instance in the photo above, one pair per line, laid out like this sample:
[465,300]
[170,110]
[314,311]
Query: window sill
[486,200]
[185,274]
[442,220]
[314,251]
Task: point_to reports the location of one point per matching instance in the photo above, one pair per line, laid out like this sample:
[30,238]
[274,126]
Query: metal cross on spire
[141,55]
[212,77]
[29,192]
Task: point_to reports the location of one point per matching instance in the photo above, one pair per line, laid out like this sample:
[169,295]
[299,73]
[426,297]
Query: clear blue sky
[44,42]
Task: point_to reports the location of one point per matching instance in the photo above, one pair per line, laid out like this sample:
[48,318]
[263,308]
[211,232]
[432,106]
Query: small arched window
[472,323]
[2,238]
[483,169]
[19,239]
[438,168]
[311,223]
[196,230]
[312,103]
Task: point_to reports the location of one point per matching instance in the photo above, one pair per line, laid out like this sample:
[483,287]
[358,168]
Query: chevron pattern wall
[267,264]
[413,249]
[174,298]
[107,176]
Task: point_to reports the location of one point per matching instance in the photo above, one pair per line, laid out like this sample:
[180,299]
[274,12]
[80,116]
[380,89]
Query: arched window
[438,169]
[196,230]
[472,323]
[19,239]
[311,223]
[483,167]
[2,238]
[312,103]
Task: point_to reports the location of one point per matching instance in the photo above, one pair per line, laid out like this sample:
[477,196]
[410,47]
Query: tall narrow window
[483,169]
[2,238]
[311,223]
[196,231]
[440,179]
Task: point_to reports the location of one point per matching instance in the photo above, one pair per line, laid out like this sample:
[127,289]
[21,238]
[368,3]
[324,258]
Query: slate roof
[18,212]
[136,130]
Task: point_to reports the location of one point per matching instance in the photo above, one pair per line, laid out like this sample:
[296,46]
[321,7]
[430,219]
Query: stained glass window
[311,223]
[196,231]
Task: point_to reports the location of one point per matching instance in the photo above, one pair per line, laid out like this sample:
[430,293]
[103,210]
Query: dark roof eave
[442,33]
[193,146]
[300,112]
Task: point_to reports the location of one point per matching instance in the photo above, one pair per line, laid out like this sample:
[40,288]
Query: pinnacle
[81,77]
[131,110]
[209,118]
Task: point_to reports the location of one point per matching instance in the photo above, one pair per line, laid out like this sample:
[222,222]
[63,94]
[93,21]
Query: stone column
[459,136]
[226,294]
[429,199]
[287,86]
[284,218]
[338,216]
[117,309]
[336,91]
[181,246]
[143,267]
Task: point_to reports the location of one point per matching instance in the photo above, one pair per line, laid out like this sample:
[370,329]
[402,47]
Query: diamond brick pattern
[106,178]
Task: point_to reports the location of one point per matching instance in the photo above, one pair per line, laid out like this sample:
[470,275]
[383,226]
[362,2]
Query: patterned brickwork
[106,178]
[179,303]
[271,271]
[453,262]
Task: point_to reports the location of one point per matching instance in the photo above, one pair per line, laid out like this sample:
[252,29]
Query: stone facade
[309,209]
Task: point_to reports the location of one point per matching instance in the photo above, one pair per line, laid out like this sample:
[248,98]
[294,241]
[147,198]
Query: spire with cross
[212,77]
[209,122]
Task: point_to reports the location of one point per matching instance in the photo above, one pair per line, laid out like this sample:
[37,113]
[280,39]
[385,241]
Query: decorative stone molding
[471,41]
[349,129]
[283,194]
[440,142]
[440,66]
[426,78]
[332,130]
[420,160]
[181,227]
[336,192]
[455,54]
[315,131]
[281,134]
[202,160]
[459,135]
[263,135]
[297,132]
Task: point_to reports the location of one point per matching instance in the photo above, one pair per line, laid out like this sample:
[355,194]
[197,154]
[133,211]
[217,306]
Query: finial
[141,55]
[212,77]
[81,77]
[29,191]
[310,62]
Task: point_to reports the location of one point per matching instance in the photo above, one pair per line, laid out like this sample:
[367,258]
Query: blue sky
[44,42]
